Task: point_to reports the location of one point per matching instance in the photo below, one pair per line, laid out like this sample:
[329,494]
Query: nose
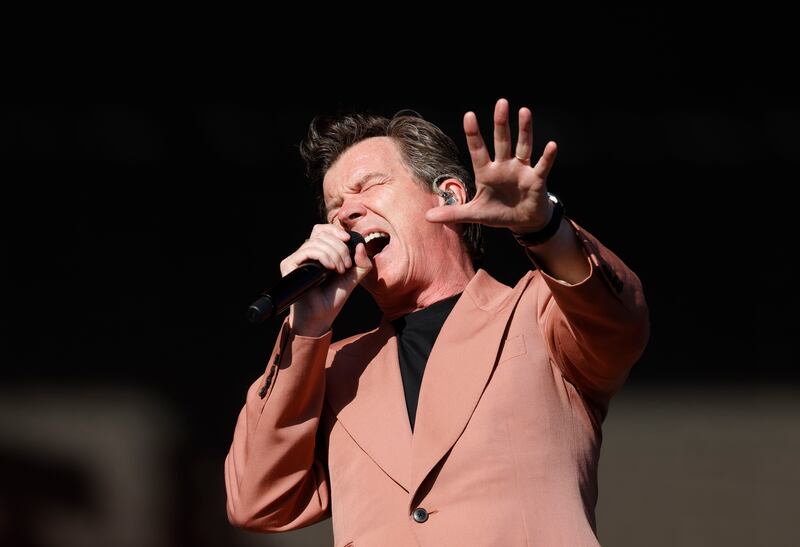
[350,212]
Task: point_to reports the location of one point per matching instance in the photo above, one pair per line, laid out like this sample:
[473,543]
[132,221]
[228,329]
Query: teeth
[374,235]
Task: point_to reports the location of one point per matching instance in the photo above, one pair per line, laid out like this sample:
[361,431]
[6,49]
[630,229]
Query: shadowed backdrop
[138,228]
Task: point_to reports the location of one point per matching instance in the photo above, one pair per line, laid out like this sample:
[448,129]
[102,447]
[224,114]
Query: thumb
[448,213]
[362,265]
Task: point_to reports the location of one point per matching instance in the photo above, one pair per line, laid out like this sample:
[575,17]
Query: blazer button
[420,514]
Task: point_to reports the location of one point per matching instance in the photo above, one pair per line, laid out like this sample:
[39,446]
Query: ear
[456,188]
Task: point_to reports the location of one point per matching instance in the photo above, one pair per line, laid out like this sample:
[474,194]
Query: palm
[507,194]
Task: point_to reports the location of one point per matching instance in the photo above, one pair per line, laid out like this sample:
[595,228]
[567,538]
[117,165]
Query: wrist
[532,228]
[307,327]
[542,233]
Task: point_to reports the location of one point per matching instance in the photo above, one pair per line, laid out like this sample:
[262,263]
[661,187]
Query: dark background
[146,208]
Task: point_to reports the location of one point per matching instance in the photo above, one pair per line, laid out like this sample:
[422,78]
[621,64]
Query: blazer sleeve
[596,329]
[276,471]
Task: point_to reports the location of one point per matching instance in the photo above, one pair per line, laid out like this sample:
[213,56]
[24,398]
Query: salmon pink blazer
[507,437]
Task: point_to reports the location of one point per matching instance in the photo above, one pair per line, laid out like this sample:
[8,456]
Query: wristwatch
[537,238]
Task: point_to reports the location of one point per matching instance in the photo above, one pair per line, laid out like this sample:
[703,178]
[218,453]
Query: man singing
[471,415]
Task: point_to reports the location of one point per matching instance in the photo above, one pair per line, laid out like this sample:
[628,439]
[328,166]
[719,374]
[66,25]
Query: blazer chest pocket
[513,347]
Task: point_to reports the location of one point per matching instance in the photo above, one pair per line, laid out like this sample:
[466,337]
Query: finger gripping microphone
[294,285]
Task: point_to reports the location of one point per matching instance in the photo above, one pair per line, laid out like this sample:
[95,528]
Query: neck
[450,281]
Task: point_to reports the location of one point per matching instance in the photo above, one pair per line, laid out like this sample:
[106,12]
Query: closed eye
[373,185]
[367,183]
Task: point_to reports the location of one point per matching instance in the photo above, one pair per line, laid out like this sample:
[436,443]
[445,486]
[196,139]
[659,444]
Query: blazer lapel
[458,369]
[365,391]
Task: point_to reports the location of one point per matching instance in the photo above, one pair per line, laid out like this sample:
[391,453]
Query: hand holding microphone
[316,300]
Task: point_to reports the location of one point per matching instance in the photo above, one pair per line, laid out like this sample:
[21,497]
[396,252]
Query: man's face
[370,190]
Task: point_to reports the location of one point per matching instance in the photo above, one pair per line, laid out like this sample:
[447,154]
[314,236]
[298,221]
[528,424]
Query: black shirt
[416,333]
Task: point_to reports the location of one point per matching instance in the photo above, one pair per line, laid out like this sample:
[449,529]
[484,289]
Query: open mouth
[376,242]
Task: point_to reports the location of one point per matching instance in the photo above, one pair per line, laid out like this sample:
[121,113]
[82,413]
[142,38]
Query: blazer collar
[365,391]
[458,369]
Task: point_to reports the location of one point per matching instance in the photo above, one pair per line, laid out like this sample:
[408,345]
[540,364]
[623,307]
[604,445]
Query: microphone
[294,285]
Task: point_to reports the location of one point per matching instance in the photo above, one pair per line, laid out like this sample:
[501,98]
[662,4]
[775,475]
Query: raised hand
[511,192]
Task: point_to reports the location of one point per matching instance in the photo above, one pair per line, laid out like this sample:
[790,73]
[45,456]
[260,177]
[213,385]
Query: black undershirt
[416,334]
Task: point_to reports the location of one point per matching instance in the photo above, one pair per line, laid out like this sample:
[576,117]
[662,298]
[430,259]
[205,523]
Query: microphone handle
[297,283]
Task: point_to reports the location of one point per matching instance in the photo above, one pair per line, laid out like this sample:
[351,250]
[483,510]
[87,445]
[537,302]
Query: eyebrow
[337,201]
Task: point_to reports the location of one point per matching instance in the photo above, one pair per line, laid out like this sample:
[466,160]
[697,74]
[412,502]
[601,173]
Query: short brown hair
[425,148]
